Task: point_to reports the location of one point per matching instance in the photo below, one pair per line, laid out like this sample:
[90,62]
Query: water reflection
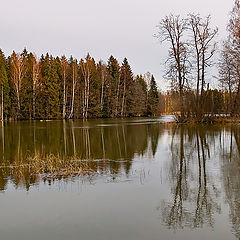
[108,146]
[195,191]
[204,159]
[200,180]
[231,175]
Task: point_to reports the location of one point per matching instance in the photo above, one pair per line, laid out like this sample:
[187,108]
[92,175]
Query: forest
[61,88]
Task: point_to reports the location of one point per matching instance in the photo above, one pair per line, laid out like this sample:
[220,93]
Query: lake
[137,179]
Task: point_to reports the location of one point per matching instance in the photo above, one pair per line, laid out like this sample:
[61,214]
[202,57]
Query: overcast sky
[122,28]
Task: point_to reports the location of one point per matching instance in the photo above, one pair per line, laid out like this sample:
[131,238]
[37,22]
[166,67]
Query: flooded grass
[50,166]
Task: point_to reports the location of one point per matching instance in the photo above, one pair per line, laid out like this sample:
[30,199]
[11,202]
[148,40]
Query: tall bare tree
[18,69]
[172,29]
[103,72]
[226,75]
[74,84]
[86,72]
[203,49]
[64,67]
[35,79]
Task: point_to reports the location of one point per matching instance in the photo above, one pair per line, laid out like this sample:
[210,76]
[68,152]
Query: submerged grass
[49,166]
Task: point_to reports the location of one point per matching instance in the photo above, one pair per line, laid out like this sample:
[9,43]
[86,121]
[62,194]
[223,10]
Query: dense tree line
[216,103]
[61,88]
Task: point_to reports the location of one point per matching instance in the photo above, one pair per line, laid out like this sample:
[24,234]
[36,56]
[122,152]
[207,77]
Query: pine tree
[153,98]
[53,90]
[114,87]
[4,87]
[27,87]
[103,79]
[127,84]
[139,103]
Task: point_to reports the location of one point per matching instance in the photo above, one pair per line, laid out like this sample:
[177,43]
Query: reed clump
[50,166]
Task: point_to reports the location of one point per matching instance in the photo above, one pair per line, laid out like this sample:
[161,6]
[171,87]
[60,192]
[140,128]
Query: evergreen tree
[51,88]
[153,98]
[4,87]
[114,87]
[139,103]
[103,79]
[27,87]
[54,88]
[127,83]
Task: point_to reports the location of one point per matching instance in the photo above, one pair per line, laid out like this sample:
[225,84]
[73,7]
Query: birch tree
[86,72]
[35,80]
[64,67]
[18,69]
[103,72]
[74,84]
[4,85]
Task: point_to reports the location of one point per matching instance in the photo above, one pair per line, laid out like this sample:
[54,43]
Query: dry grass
[50,166]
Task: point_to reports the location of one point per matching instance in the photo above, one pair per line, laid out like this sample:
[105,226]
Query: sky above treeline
[122,28]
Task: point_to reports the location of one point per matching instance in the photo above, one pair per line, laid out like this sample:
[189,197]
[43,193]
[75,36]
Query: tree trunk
[102,89]
[88,92]
[123,100]
[73,93]
[2,107]
[64,93]
[117,97]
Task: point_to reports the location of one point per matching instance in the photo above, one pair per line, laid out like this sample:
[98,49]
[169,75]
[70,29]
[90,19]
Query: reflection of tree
[230,150]
[195,193]
[108,147]
[173,214]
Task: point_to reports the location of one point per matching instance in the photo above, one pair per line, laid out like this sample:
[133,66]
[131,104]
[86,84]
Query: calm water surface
[149,179]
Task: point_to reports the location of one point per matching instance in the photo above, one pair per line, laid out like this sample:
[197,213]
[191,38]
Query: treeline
[61,88]
[191,55]
[215,102]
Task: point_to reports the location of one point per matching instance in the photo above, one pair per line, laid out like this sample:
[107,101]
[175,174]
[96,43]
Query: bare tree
[18,69]
[74,84]
[171,29]
[35,76]
[226,75]
[203,49]
[86,71]
[64,66]
[231,58]
[103,77]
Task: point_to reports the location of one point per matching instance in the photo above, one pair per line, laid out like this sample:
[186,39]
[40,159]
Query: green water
[148,179]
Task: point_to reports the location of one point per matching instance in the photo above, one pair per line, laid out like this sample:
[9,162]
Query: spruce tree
[153,98]
[127,89]
[4,86]
[53,90]
[113,87]
[139,103]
